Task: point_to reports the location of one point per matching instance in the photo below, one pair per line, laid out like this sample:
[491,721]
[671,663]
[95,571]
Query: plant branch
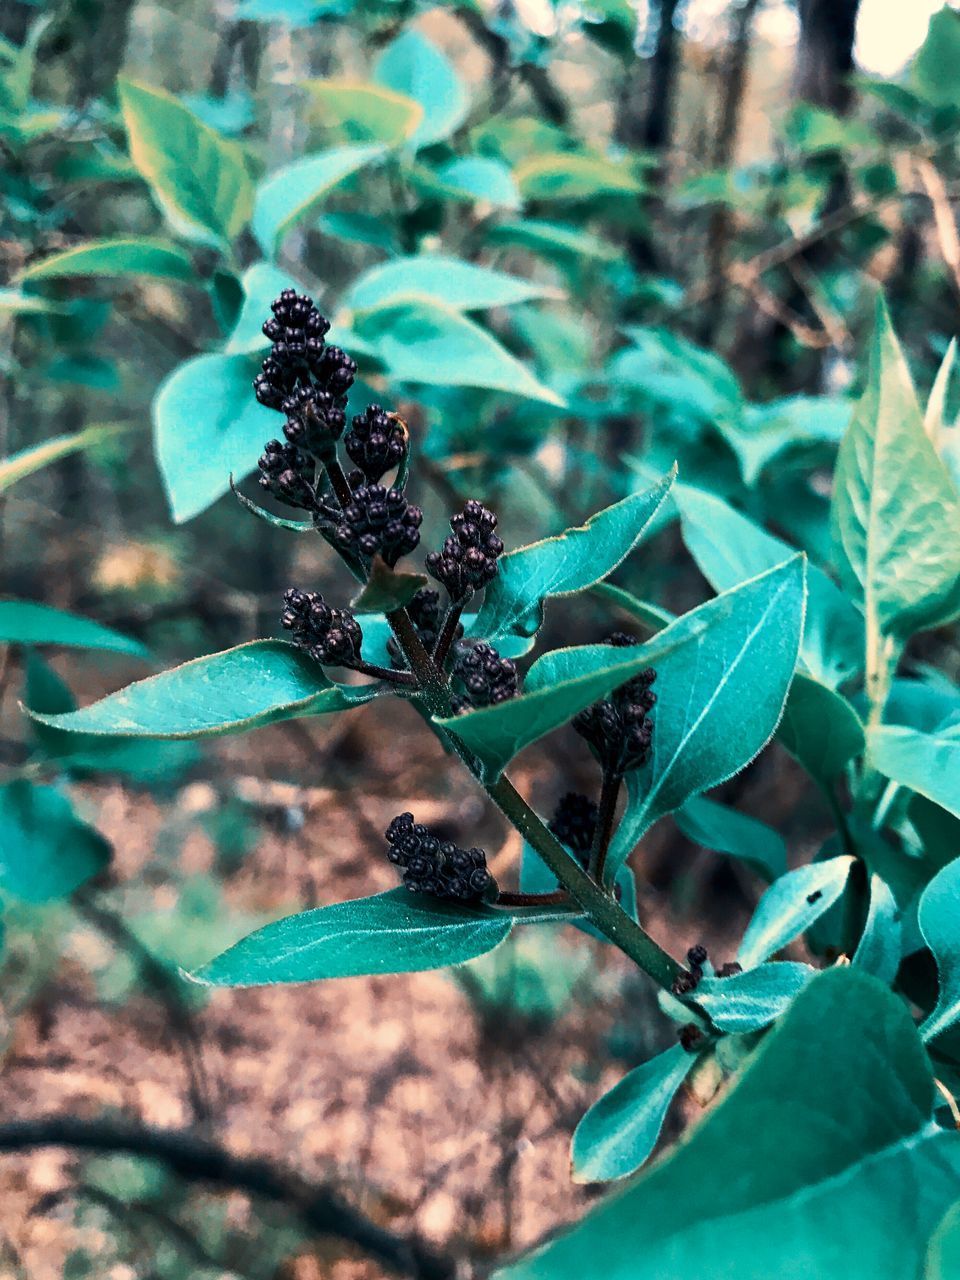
[447,633]
[555,899]
[338,481]
[319,1209]
[609,794]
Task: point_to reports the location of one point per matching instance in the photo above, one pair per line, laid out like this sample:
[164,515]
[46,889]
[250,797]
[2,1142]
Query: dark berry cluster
[329,635]
[574,823]
[376,442]
[482,678]
[287,473]
[617,728]
[379,521]
[438,867]
[468,560]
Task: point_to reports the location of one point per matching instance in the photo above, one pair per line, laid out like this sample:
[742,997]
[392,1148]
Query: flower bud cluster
[379,521]
[438,867]
[376,442]
[468,559]
[287,473]
[331,636]
[482,678]
[617,728]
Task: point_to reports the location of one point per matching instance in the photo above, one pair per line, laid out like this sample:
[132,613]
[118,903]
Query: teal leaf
[207,427]
[414,66]
[879,948]
[790,906]
[254,684]
[896,511]
[563,565]
[618,1133]
[27,623]
[721,687]
[934,69]
[483,179]
[554,240]
[395,932]
[928,763]
[820,729]
[198,178]
[769,430]
[943,1255]
[822,1162]
[937,916]
[295,192]
[753,999]
[45,850]
[724,830]
[139,256]
[729,548]
[451,282]
[425,342]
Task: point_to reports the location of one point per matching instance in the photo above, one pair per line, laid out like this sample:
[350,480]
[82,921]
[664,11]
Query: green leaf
[387,589]
[553,239]
[254,684]
[820,729]
[943,1255]
[648,615]
[729,548]
[926,762]
[723,672]
[937,916]
[896,512]
[45,850]
[198,178]
[480,178]
[296,191]
[823,1162]
[934,416]
[13,302]
[23,622]
[208,426]
[879,949]
[365,112]
[413,66]
[424,342]
[117,257]
[20,465]
[395,932]
[768,430]
[753,999]
[434,277]
[565,175]
[618,1133]
[724,830]
[934,70]
[564,565]
[790,906]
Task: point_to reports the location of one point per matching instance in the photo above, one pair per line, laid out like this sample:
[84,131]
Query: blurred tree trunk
[91,39]
[824,62]
[657,125]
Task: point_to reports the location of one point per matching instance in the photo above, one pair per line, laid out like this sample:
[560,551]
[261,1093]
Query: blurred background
[703,199]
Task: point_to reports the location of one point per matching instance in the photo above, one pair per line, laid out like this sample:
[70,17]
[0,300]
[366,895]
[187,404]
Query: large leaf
[820,729]
[24,622]
[620,1130]
[926,762]
[119,257]
[365,112]
[790,906]
[295,192]
[720,694]
[937,915]
[563,565]
[705,729]
[729,548]
[429,343]
[753,999]
[724,830]
[45,850]
[208,426]
[413,66]
[254,684]
[896,511]
[20,465]
[395,932]
[565,175]
[822,1162]
[459,285]
[198,178]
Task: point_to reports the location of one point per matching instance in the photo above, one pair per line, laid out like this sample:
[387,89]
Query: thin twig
[609,794]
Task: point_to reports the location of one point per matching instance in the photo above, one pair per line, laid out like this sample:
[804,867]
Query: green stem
[609,794]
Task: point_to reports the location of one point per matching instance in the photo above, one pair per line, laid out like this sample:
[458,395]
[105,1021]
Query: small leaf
[565,175]
[937,916]
[483,179]
[618,1133]
[295,192]
[751,1000]
[554,239]
[724,830]
[45,850]
[451,282]
[564,565]
[27,461]
[414,67]
[934,68]
[364,112]
[27,623]
[254,684]
[395,932]
[926,762]
[790,906]
[820,729]
[276,522]
[879,949]
[198,178]
[424,342]
[118,257]
[387,589]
